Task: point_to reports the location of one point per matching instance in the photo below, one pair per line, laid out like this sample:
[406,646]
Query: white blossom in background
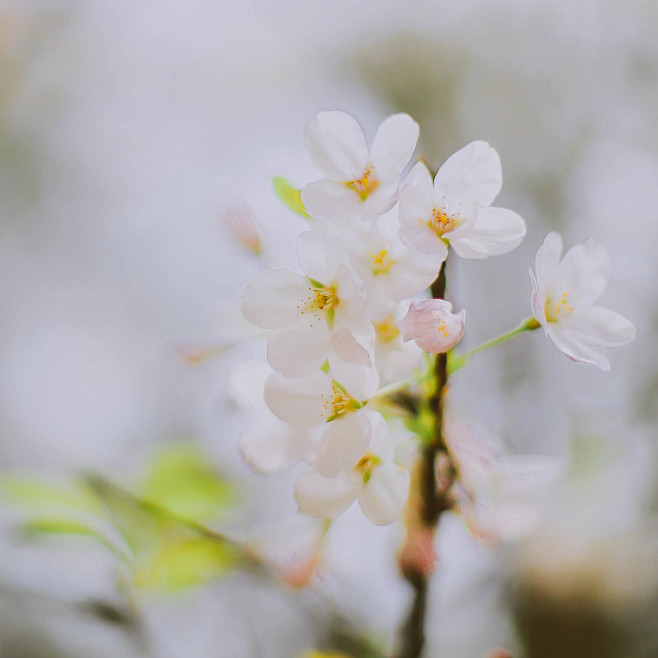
[303,312]
[456,208]
[563,293]
[432,325]
[501,497]
[359,181]
[380,485]
[268,444]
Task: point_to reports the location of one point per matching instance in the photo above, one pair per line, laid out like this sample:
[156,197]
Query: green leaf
[180,479]
[33,494]
[290,196]
[186,563]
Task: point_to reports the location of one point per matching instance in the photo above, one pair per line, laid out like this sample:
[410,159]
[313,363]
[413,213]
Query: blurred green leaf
[36,494]
[187,563]
[180,479]
[290,196]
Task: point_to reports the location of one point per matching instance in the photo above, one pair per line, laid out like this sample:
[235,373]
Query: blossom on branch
[563,293]
[359,181]
[456,209]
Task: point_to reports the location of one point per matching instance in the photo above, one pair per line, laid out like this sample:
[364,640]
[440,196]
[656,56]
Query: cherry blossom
[563,293]
[456,208]
[359,181]
[431,323]
[303,312]
[380,485]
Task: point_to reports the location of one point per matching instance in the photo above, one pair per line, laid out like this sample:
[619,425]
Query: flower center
[441,222]
[381,261]
[339,402]
[321,301]
[387,330]
[565,305]
[366,184]
[366,464]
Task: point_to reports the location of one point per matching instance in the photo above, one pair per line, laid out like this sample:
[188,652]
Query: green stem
[387,390]
[460,360]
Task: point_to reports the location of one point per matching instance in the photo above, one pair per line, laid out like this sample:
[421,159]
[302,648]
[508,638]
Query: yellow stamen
[564,306]
[339,403]
[366,464]
[381,261]
[387,329]
[366,184]
[442,223]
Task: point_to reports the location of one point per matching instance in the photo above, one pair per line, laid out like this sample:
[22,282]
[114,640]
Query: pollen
[366,184]
[441,222]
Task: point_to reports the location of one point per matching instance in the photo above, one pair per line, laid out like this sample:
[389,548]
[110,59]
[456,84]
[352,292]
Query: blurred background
[128,132]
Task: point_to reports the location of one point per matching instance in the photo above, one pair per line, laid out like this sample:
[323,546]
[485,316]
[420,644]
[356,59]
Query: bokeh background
[128,129]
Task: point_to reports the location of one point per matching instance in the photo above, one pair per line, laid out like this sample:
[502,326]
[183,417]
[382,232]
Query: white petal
[350,349]
[537,301]
[416,196]
[584,269]
[384,495]
[246,382]
[272,298]
[326,199]
[324,498]
[298,401]
[599,327]
[344,442]
[576,346]
[495,231]
[396,360]
[432,325]
[269,445]
[471,174]
[298,350]
[380,436]
[527,473]
[393,146]
[547,262]
[319,255]
[360,379]
[350,311]
[336,145]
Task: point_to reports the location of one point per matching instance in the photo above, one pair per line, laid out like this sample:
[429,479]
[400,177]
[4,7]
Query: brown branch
[428,501]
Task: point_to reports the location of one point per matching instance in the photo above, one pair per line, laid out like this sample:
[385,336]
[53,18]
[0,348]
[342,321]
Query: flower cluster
[355,318]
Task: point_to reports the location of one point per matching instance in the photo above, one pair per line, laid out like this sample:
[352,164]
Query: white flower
[456,209]
[389,270]
[563,292]
[380,485]
[431,323]
[347,425]
[358,181]
[303,312]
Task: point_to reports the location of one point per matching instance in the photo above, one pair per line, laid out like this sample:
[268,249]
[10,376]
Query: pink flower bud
[432,325]
[240,222]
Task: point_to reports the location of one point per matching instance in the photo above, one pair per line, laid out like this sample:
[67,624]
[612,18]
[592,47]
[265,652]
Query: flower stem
[458,361]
